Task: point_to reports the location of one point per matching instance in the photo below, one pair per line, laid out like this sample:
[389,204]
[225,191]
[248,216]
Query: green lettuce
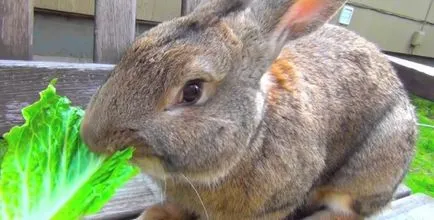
[47,172]
[2,149]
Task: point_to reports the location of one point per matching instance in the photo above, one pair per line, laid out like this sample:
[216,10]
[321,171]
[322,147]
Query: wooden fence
[115,22]
[115,31]
[21,80]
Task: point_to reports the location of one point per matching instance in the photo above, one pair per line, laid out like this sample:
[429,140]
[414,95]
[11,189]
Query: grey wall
[388,23]
[391,24]
[66,38]
[60,36]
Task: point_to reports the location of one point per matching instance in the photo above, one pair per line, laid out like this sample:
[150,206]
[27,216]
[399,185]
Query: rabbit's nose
[105,138]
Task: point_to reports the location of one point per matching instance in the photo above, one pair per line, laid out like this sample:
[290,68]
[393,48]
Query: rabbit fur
[297,118]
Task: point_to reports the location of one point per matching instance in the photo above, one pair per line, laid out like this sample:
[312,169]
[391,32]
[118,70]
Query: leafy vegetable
[420,177]
[47,171]
[2,148]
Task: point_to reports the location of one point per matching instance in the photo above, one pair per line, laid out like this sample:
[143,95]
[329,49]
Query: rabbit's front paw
[165,211]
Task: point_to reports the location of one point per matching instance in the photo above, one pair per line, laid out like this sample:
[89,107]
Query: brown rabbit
[257,110]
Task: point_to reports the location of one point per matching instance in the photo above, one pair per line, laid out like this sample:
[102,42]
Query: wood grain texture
[130,200]
[189,5]
[147,10]
[16,29]
[20,83]
[417,78]
[115,25]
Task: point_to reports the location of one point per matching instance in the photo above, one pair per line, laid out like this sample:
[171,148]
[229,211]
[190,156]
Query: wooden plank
[20,83]
[417,78]
[141,192]
[417,206]
[401,192]
[114,29]
[425,212]
[147,10]
[16,29]
[130,200]
[189,5]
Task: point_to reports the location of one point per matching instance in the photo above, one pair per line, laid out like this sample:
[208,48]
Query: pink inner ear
[302,11]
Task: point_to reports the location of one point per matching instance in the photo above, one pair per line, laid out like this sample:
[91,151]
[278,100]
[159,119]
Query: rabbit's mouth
[152,166]
[151,162]
[157,168]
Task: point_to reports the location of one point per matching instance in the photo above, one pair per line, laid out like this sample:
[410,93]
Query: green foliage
[2,149]
[47,172]
[421,175]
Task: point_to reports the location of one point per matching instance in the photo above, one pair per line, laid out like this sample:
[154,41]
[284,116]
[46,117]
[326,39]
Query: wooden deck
[20,82]
[141,192]
[138,194]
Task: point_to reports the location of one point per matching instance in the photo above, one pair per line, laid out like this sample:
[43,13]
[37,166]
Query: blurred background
[64,29]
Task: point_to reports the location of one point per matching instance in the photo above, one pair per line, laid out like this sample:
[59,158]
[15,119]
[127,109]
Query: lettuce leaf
[2,149]
[47,171]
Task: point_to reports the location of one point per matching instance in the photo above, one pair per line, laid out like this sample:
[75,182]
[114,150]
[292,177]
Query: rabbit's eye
[192,91]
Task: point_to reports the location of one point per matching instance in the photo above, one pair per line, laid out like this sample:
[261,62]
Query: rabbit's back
[355,108]
[347,84]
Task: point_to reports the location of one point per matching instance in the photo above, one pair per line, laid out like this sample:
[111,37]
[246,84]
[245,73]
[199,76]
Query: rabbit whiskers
[163,192]
[197,193]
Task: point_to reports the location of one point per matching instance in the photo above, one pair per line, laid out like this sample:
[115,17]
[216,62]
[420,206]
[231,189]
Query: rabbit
[258,110]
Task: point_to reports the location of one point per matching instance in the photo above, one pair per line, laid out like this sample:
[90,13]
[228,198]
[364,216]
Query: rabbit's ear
[290,19]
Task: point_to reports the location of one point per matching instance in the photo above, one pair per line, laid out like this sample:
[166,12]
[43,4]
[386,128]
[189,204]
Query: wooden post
[16,29]
[189,5]
[115,22]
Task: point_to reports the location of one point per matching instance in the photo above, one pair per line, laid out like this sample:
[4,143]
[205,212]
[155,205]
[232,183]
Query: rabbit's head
[190,94]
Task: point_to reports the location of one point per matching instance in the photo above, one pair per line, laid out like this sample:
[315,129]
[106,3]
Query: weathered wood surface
[401,192]
[416,206]
[129,201]
[16,29]
[20,83]
[146,10]
[141,192]
[189,5]
[115,23]
[417,78]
